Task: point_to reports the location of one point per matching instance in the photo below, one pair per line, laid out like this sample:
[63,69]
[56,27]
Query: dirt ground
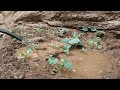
[11,68]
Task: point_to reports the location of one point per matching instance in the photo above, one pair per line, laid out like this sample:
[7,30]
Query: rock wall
[73,19]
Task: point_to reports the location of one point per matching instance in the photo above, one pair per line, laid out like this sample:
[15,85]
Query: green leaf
[22,55]
[67,51]
[75,35]
[61,49]
[66,40]
[68,64]
[28,50]
[94,29]
[65,63]
[81,34]
[61,67]
[74,41]
[95,42]
[52,60]
[85,29]
[81,44]
[67,46]
[62,61]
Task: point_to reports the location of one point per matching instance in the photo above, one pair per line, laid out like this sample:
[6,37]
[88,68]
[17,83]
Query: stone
[72,19]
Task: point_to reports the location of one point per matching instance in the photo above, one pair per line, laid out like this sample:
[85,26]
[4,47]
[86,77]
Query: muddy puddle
[87,66]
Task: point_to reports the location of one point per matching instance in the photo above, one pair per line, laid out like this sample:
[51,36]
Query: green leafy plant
[24,55]
[52,60]
[74,41]
[65,64]
[71,42]
[94,29]
[61,64]
[66,49]
[76,35]
[66,40]
[95,42]
[29,49]
[85,29]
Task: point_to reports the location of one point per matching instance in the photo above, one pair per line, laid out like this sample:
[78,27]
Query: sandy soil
[11,68]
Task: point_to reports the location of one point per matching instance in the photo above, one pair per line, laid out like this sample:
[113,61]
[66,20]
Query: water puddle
[87,66]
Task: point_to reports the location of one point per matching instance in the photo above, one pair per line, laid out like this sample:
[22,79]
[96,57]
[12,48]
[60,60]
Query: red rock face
[73,19]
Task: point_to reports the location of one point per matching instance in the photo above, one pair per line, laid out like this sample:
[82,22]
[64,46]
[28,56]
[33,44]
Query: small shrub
[65,64]
[61,64]
[95,42]
[71,42]
[24,55]
[52,60]
[76,35]
[86,29]
[29,49]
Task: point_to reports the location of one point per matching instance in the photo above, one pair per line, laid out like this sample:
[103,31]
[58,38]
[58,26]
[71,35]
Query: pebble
[43,66]
[21,76]
[52,73]
[55,70]
[35,54]
[97,53]
[18,75]
[80,58]
[74,70]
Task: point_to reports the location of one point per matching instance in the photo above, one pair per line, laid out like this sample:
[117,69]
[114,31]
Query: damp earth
[89,65]
[46,29]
